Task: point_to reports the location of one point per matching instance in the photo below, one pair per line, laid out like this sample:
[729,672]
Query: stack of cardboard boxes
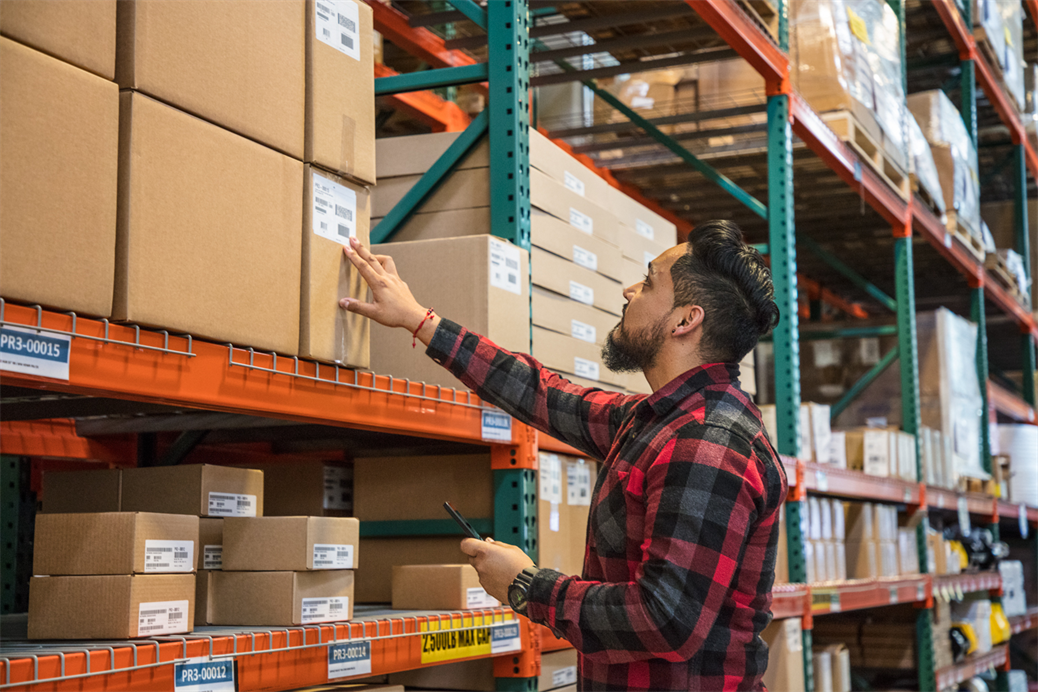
[876,545]
[563,508]
[219,157]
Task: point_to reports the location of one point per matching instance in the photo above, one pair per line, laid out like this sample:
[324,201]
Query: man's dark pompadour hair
[731,282]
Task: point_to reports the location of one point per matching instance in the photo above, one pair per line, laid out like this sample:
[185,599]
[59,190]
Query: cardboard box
[465,188]
[455,223]
[785,659]
[642,220]
[310,488]
[631,272]
[888,564]
[114,543]
[841,560]
[79,33]
[97,490]
[280,599]
[782,551]
[558,669]
[822,665]
[560,166]
[566,278]
[375,575]
[413,155]
[863,560]
[238,64]
[567,316]
[290,544]
[439,587]
[862,523]
[639,248]
[203,600]
[562,239]
[58,178]
[821,433]
[839,520]
[340,89]
[838,449]
[199,489]
[415,488]
[209,217]
[868,451]
[570,356]
[210,544]
[563,505]
[907,552]
[491,297]
[334,210]
[111,606]
[470,676]
[563,203]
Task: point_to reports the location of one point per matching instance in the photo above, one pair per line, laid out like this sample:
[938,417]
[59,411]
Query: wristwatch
[518,589]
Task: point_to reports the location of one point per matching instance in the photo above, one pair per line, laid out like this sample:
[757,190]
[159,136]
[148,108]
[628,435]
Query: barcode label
[333,200]
[164,617]
[564,676]
[479,598]
[578,484]
[169,556]
[581,221]
[228,505]
[336,24]
[573,183]
[581,293]
[212,557]
[585,258]
[325,609]
[645,230]
[584,332]
[585,368]
[338,488]
[504,266]
[333,556]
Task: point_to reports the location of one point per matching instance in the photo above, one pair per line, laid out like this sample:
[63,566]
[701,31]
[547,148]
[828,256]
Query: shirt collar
[672,394]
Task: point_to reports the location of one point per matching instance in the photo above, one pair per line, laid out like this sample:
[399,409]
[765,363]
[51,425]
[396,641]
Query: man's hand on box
[498,564]
[392,304]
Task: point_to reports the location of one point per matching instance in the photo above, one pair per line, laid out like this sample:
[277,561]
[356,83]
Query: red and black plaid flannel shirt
[683,533]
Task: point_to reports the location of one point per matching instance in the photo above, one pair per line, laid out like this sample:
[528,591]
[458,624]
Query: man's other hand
[392,304]
[498,564]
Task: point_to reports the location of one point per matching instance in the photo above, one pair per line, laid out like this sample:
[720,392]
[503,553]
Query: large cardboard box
[562,239]
[439,587]
[111,606]
[199,489]
[570,356]
[556,163]
[415,154]
[563,505]
[208,234]
[96,490]
[642,249]
[562,314]
[491,297]
[633,215]
[863,559]
[785,655]
[280,599]
[442,224]
[340,89]
[238,64]
[210,544]
[334,210]
[114,543]
[569,279]
[77,32]
[465,188]
[415,488]
[375,575]
[311,488]
[58,179]
[290,544]
[563,203]
[558,669]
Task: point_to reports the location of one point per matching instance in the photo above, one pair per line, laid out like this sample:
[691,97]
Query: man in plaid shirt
[683,532]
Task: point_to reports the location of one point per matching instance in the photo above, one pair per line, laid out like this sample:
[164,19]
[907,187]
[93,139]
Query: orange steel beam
[1032,7]
[739,32]
[57,439]
[425,106]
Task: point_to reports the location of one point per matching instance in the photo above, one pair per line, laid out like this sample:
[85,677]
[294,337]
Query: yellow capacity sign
[452,641]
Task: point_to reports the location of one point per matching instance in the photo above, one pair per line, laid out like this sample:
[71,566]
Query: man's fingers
[359,248]
[361,308]
[387,263]
[367,272]
[471,547]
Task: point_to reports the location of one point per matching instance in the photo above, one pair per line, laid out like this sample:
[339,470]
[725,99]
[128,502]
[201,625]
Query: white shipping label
[1022,519]
[496,426]
[564,676]
[585,258]
[964,516]
[34,353]
[479,598]
[169,556]
[326,609]
[573,183]
[504,266]
[231,505]
[645,230]
[212,557]
[553,518]
[337,23]
[794,642]
[581,221]
[581,293]
[337,488]
[583,367]
[869,351]
[550,474]
[346,660]
[584,332]
[578,485]
[163,617]
[333,556]
[334,210]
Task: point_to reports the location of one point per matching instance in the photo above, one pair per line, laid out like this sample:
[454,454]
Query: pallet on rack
[985,47]
[957,227]
[848,129]
[999,271]
[925,196]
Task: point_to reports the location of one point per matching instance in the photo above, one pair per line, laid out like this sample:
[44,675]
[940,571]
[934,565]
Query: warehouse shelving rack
[116,361]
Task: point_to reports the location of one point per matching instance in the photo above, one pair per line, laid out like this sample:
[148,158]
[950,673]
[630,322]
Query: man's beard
[627,352]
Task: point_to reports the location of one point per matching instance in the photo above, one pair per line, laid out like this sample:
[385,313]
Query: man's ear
[690,317]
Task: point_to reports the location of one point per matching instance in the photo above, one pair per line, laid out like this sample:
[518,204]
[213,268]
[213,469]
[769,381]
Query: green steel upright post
[1023,247]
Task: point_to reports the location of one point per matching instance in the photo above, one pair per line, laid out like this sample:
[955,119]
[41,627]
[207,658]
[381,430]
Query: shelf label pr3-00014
[349,659]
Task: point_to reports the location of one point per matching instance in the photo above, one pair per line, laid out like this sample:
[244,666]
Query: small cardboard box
[785,660]
[562,314]
[110,606]
[562,239]
[634,215]
[203,593]
[637,247]
[861,522]
[280,599]
[97,490]
[210,543]
[556,163]
[334,210]
[868,450]
[290,544]
[340,89]
[439,587]
[582,285]
[309,488]
[209,217]
[571,356]
[491,297]
[237,63]
[114,543]
[558,669]
[563,203]
[415,154]
[58,177]
[199,489]
[375,575]
[80,33]
[862,559]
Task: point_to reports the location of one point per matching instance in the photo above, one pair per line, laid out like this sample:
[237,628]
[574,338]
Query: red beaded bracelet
[414,339]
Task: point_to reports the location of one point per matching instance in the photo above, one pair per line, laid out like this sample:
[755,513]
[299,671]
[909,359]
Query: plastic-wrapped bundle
[988,16]
[1012,16]
[885,60]
[953,153]
[923,167]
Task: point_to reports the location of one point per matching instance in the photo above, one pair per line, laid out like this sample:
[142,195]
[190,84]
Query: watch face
[517,597]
